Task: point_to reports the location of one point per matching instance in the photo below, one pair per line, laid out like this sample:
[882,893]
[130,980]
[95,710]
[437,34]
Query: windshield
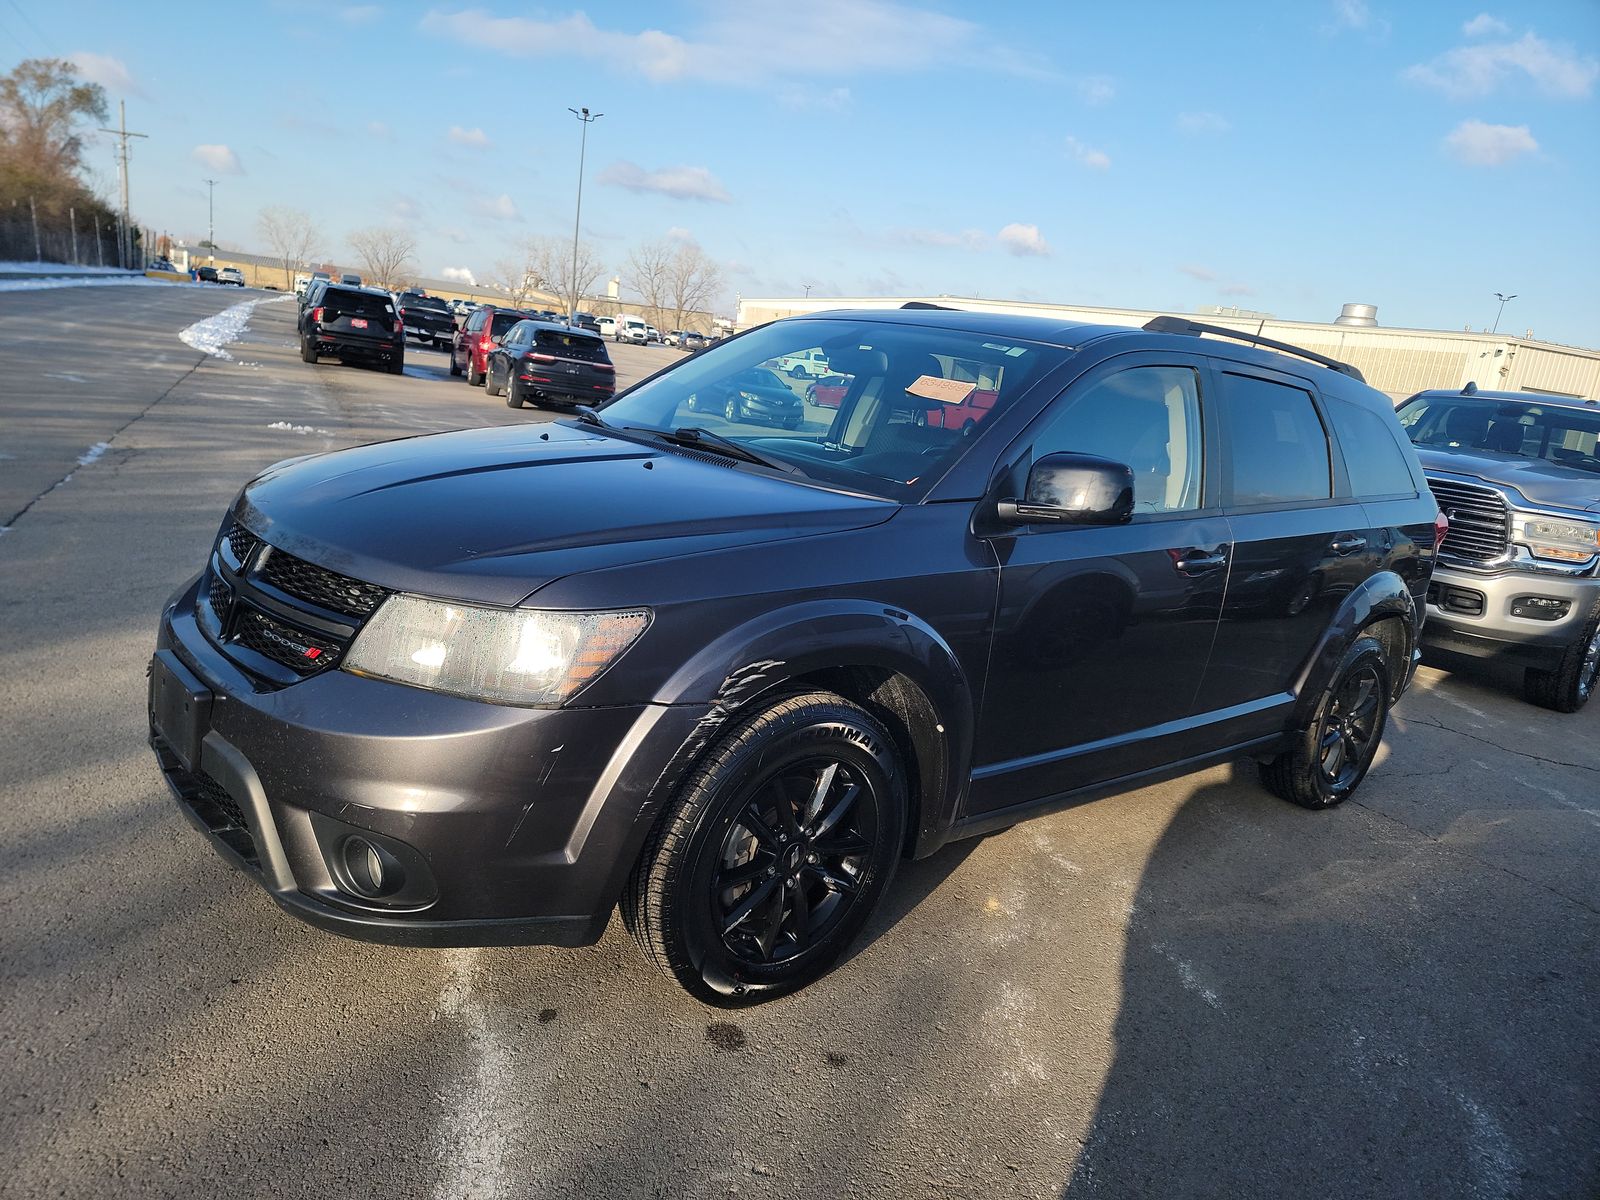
[1477,425]
[909,398]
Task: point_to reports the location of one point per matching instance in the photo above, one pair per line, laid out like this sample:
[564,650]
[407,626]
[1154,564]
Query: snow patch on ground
[93,453]
[478,1123]
[37,285]
[288,428]
[55,268]
[213,334]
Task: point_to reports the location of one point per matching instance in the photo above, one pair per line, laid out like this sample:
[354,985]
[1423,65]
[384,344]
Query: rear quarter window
[1277,448]
[1372,453]
[504,321]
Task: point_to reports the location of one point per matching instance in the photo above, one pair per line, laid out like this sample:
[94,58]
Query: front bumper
[1472,613]
[522,823]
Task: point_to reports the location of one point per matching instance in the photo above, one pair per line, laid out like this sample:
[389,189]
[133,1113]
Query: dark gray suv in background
[487,686]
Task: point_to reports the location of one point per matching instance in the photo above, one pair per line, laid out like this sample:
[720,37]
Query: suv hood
[493,515]
[1540,481]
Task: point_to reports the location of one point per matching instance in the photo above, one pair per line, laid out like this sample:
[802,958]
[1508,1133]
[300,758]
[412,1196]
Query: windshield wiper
[590,416]
[696,437]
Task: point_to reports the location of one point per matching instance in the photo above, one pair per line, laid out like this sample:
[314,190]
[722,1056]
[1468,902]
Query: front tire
[1567,686]
[774,853]
[1330,758]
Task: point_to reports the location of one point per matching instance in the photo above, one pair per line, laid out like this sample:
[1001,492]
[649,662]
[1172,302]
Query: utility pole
[583,149]
[211,218]
[122,135]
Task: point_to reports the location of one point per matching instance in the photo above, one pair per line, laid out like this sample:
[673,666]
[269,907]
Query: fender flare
[768,652]
[1379,597]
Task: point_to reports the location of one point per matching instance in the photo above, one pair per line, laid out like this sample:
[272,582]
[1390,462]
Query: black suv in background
[427,319]
[484,687]
[540,362]
[352,324]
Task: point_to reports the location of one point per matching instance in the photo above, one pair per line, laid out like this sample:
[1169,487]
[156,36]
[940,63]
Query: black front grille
[220,596]
[1480,520]
[303,653]
[241,541]
[307,581]
[212,803]
[213,793]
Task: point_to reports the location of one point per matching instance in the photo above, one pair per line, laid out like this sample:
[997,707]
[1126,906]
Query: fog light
[1540,608]
[371,870]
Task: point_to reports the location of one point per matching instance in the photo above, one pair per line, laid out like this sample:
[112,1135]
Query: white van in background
[631,329]
[606,327]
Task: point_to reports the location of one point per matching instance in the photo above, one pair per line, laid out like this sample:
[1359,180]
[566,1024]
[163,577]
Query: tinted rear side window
[569,345]
[504,321]
[1276,444]
[1372,454]
[363,304]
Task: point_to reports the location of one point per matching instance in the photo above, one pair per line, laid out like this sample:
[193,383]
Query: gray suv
[1518,576]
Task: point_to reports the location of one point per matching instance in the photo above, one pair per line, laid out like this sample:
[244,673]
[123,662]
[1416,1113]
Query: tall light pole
[588,119]
[808,287]
[125,240]
[211,218]
[1502,297]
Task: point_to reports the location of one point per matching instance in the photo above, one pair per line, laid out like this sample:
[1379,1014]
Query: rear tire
[455,367]
[474,378]
[397,365]
[308,350]
[1330,758]
[513,400]
[774,853]
[1567,686]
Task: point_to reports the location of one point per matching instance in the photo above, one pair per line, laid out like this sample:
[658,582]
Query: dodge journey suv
[485,687]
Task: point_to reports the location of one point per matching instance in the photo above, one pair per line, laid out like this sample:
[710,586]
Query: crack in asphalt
[10,522]
[1539,758]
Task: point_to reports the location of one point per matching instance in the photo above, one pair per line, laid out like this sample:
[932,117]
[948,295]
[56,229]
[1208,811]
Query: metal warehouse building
[1397,361]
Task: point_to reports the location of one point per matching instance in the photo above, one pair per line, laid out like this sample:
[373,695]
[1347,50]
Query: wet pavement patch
[725,1036]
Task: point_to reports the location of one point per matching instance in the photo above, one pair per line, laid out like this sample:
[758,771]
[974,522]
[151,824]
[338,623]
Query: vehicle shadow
[1327,1004]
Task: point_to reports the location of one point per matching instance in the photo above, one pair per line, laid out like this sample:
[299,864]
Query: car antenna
[1471,389]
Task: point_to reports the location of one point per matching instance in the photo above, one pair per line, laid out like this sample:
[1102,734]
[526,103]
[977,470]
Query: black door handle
[1199,562]
[1348,544]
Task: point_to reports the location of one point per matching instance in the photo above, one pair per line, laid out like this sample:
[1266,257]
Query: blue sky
[1286,158]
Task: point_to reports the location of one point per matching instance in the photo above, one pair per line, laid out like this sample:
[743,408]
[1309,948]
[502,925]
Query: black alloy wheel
[1327,760]
[1568,685]
[774,853]
[513,397]
[730,410]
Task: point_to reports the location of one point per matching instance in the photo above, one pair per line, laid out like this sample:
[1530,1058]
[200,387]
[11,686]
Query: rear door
[1301,542]
[1103,633]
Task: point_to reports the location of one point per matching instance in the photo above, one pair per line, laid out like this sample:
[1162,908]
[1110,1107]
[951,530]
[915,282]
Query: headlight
[504,656]
[1553,537]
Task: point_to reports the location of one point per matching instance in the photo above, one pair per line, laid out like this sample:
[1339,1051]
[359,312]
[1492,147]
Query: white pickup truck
[808,364]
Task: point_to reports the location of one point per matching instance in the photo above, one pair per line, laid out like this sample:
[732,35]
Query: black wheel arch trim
[1381,596]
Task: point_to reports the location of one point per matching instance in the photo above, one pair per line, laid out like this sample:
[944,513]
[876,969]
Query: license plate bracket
[180,707]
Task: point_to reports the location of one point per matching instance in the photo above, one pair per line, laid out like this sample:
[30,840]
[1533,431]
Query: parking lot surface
[1188,990]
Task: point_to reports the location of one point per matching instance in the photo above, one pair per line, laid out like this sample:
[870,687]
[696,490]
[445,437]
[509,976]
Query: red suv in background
[469,351]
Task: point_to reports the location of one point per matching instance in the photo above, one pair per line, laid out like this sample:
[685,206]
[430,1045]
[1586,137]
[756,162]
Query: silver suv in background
[1518,575]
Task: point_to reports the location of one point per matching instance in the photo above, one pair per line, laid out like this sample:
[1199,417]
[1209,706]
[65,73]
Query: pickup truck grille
[1480,520]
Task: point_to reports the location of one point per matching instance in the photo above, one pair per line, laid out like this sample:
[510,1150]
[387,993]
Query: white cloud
[1023,240]
[1236,289]
[679,234]
[498,208]
[1351,14]
[1483,25]
[1203,274]
[804,99]
[404,208]
[459,275]
[1478,144]
[752,43]
[378,129]
[360,14]
[1203,123]
[1478,70]
[1095,90]
[968,239]
[452,234]
[110,73]
[681,183]
[475,138]
[217,158]
[1095,160]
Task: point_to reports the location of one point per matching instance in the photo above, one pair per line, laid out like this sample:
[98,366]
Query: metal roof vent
[1358,314]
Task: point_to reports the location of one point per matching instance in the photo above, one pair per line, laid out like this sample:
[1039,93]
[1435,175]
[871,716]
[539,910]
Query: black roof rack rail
[1195,329]
[925,304]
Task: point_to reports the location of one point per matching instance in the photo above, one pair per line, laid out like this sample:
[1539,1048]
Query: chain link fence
[30,232]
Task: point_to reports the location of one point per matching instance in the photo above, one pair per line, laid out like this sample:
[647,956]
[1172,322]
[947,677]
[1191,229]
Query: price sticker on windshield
[946,391]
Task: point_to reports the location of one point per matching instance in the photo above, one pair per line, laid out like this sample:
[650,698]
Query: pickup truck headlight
[504,656]
[1557,538]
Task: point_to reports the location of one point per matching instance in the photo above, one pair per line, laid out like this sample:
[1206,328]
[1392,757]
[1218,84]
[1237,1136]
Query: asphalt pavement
[1188,990]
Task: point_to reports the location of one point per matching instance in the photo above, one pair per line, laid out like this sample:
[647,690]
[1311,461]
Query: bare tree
[385,255]
[523,273]
[646,272]
[292,235]
[692,279]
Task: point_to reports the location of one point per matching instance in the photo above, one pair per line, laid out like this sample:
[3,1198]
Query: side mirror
[1073,489]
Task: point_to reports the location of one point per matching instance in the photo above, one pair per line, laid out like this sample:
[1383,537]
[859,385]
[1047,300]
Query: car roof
[1523,397]
[563,327]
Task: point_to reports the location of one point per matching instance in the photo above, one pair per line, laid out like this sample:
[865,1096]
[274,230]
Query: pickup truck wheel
[797,372]
[773,854]
[1567,687]
[308,350]
[730,410]
[1330,758]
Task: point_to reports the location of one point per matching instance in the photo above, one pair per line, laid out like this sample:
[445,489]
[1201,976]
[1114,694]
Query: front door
[1103,633]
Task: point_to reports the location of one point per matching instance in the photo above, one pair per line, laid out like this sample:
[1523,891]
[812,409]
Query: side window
[1276,444]
[1377,465]
[475,322]
[1146,417]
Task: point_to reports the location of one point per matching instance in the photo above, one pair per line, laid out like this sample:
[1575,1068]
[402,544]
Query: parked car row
[528,358]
